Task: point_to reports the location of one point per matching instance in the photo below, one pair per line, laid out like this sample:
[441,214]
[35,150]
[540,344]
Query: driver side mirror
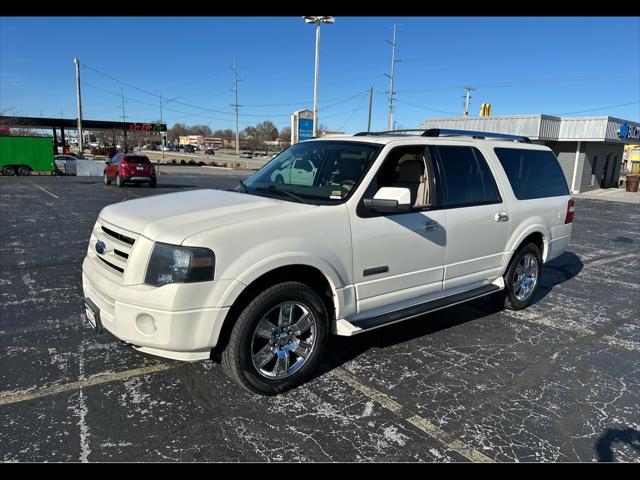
[389,200]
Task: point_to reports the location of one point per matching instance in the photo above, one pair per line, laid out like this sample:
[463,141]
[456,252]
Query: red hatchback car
[125,168]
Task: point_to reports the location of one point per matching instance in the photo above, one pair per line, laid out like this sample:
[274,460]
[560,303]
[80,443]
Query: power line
[600,108]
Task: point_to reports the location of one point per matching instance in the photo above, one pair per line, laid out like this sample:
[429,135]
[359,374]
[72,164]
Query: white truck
[392,225]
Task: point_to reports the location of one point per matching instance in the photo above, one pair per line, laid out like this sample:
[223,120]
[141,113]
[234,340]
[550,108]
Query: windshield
[323,171]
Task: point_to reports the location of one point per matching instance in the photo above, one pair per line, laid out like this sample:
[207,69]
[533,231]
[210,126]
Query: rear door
[477,216]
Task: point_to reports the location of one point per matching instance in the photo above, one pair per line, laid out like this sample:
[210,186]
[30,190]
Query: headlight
[174,264]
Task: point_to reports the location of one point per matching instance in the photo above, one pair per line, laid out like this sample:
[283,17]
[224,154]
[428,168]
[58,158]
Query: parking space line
[416,420]
[46,191]
[604,261]
[16,396]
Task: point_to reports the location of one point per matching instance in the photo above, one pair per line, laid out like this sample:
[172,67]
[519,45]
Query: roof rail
[440,132]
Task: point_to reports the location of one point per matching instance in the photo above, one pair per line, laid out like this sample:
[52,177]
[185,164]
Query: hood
[172,217]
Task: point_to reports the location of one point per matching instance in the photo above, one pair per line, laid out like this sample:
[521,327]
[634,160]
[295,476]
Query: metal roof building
[590,149]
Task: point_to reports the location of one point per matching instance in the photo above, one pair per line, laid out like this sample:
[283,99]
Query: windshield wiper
[273,188]
[244,187]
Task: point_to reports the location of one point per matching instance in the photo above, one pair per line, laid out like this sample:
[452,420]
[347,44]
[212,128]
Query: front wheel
[522,279]
[278,339]
[105,178]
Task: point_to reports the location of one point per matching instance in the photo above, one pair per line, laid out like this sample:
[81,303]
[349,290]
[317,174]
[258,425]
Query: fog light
[146,324]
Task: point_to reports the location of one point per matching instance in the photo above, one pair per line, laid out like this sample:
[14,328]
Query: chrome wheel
[526,277]
[283,340]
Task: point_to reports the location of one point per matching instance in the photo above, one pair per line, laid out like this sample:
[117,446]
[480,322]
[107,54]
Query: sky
[524,65]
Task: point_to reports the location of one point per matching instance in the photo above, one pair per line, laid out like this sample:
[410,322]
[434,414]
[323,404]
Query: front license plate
[93,315]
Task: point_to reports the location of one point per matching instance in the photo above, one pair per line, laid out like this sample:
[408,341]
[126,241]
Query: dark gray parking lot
[559,381]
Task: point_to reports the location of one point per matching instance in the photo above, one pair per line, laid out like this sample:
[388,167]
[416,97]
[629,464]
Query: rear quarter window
[533,173]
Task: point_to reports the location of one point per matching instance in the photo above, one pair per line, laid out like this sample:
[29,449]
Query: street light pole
[317,21]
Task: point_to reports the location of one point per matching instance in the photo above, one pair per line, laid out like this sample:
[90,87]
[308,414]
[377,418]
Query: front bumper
[167,329]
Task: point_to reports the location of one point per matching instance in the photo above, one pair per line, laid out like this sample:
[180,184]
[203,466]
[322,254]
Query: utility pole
[468,88]
[79,97]
[370,103]
[236,106]
[124,119]
[392,76]
[161,136]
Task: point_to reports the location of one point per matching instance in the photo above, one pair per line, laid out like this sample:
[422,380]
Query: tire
[239,359]
[153,183]
[119,181]
[279,179]
[24,170]
[9,171]
[106,179]
[517,296]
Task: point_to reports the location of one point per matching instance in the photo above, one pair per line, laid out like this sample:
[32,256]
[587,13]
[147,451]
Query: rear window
[137,159]
[533,173]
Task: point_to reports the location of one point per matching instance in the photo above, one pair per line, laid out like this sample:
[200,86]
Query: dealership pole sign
[305,126]
[301,125]
[629,132]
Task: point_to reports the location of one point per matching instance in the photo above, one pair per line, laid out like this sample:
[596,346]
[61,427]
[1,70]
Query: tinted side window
[533,173]
[466,177]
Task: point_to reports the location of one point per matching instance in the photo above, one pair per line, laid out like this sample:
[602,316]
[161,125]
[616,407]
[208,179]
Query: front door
[398,258]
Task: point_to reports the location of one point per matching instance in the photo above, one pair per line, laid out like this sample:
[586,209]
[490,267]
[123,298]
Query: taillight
[570,209]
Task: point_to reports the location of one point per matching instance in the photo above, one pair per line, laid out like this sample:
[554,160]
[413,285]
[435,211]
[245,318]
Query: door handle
[431,225]
[502,217]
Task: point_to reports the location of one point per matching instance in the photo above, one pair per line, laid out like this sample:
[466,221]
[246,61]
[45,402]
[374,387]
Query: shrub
[183,162]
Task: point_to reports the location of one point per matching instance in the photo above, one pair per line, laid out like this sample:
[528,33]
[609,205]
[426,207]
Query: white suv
[393,225]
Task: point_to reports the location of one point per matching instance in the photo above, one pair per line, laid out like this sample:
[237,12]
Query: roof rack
[442,132]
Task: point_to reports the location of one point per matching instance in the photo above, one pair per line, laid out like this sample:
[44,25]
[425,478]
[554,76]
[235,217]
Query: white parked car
[66,164]
[385,228]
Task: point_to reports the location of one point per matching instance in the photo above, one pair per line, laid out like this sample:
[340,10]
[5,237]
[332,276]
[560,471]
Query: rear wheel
[9,171]
[24,170]
[119,181]
[278,339]
[522,279]
[152,183]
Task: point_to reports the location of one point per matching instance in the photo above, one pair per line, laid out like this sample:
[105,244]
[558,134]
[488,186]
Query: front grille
[117,235]
[118,248]
[115,267]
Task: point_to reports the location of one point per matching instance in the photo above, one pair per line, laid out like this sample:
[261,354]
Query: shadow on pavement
[604,444]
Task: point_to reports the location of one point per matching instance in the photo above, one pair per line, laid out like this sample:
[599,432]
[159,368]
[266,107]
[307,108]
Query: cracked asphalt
[559,381]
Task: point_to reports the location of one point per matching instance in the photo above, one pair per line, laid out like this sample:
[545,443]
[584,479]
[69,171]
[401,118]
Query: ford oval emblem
[100,246]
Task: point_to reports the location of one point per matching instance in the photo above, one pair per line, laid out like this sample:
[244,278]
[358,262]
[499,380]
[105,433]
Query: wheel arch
[305,273]
[535,234]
